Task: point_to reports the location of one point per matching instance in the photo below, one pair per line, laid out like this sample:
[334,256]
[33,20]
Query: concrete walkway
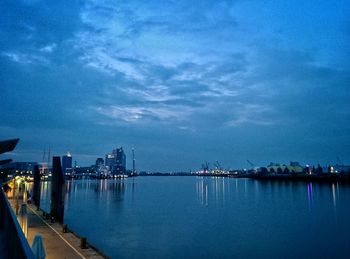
[57,244]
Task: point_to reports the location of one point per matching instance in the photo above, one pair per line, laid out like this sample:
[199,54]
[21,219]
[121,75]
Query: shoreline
[277,177]
[329,178]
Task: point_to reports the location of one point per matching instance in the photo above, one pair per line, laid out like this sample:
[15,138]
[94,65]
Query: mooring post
[57,190]
[64,228]
[24,219]
[36,187]
[83,243]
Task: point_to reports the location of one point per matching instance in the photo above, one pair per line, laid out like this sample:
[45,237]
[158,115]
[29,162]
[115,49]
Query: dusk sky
[182,82]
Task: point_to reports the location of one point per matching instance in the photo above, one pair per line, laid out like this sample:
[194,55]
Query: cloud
[252,114]
[49,48]
[196,69]
[135,31]
[25,59]
[132,114]
[157,93]
[154,67]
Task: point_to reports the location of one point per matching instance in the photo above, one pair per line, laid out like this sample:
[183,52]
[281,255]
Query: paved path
[57,244]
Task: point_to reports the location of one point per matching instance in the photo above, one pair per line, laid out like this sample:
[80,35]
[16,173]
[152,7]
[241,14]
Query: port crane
[251,164]
[205,167]
[217,165]
[339,162]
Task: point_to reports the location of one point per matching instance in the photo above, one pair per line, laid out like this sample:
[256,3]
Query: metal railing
[14,241]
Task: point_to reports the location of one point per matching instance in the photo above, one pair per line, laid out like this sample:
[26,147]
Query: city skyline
[180,82]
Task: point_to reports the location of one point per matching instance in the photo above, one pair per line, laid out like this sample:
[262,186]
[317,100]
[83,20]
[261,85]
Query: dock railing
[15,243]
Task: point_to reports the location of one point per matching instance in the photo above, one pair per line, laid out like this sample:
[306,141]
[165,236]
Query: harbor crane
[251,164]
[217,165]
[339,162]
[205,167]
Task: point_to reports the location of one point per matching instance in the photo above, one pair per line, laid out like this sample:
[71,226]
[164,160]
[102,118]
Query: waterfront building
[110,160]
[66,162]
[116,161]
[99,166]
[343,169]
[121,161]
[294,167]
[99,162]
[20,166]
[336,169]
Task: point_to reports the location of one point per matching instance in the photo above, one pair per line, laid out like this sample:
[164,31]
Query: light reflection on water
[218,186]
[334,195]
[202,191]
[309,194]
[177,217]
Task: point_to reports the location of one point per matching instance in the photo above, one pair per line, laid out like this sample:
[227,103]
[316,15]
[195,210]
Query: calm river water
[196,217]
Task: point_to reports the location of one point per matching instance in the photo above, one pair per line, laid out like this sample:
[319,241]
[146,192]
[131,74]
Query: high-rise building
[116,161]
[110,160]
[99,162]
[66,162]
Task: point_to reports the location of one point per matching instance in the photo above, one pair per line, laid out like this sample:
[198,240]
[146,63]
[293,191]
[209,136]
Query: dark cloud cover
[182,82]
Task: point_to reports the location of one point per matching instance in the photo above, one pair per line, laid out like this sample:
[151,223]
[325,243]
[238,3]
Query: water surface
[196,217]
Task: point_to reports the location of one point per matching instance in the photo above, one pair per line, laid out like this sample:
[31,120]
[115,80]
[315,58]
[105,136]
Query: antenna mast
[133,162]
[48,158]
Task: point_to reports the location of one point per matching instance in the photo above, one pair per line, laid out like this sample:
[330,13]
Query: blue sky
[182,82]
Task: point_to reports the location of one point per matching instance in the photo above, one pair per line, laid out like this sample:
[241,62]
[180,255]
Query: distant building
[337,169]
[20,166]
[99,162]
[121,161]
[293,168]
[66,162]
[116,161]
[110,160]
[99,166]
